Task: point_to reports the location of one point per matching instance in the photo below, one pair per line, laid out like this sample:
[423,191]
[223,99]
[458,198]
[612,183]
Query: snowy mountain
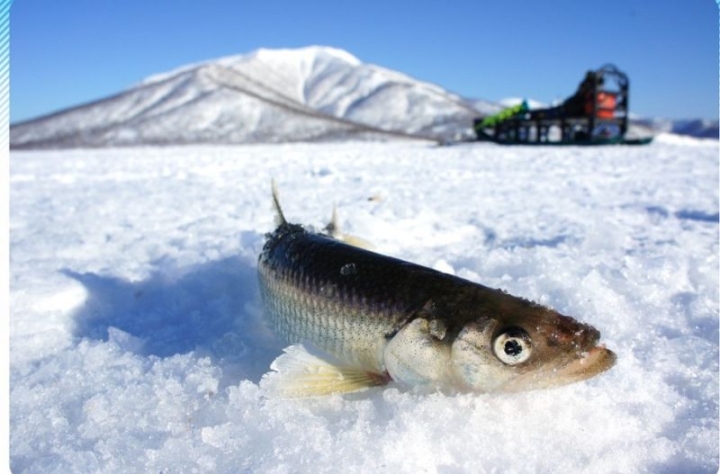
[307,94]
[270,96]
[696,128]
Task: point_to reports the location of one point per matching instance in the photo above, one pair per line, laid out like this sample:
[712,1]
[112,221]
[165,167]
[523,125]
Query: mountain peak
[306,54]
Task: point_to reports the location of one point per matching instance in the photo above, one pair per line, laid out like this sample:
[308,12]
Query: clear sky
[68,52]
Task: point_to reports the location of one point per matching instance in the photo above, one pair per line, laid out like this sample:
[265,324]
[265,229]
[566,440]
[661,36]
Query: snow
[136,334]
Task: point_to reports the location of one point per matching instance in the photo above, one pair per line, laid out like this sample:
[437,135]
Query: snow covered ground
[136,329]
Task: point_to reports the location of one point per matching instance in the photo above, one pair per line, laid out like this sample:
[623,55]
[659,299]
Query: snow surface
[136,333]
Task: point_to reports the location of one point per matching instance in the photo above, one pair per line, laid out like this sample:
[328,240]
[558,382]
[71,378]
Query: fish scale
[344,314]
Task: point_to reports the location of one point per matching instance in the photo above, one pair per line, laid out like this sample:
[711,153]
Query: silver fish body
[395,320]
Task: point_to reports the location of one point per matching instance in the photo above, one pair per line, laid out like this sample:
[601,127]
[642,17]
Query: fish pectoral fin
[299,374]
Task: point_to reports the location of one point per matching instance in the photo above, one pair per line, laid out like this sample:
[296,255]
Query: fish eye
[512,346]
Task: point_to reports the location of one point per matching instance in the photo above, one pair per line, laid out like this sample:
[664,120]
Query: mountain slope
[695,128]
[305,94]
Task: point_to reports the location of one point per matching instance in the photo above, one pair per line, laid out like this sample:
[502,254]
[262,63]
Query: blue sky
[68,52]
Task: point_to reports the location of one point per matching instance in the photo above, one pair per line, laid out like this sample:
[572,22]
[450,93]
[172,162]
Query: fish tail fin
[299,374]
[279,216]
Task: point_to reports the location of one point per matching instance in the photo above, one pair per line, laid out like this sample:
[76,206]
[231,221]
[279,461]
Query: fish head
[523,346]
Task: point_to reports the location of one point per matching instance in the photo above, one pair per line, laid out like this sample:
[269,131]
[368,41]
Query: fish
[354,319]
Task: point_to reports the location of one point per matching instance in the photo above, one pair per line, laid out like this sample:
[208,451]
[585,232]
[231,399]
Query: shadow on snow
[213,309]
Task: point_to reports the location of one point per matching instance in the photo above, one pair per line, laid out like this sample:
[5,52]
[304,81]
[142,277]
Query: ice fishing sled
[597,114]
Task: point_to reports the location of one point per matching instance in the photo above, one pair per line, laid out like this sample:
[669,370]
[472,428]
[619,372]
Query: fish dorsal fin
[299,374]
[279,216]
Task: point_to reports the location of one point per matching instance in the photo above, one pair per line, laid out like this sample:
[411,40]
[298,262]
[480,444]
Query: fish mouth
[587,364]
[590,358]
[590,363]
